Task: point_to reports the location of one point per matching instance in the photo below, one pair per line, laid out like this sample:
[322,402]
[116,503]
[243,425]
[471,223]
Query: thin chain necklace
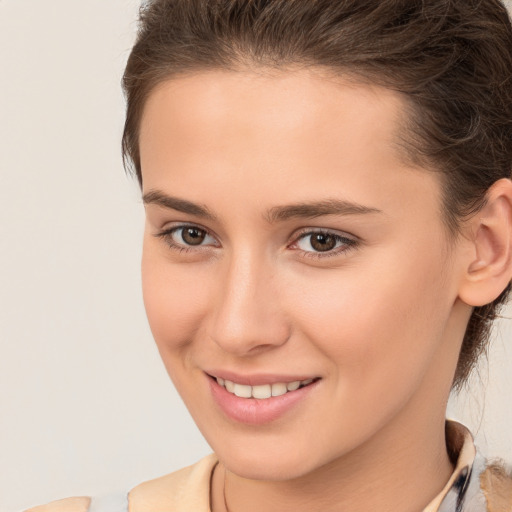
[226,509]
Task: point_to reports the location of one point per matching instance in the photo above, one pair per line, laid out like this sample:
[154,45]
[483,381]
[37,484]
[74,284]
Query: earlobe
[489,268]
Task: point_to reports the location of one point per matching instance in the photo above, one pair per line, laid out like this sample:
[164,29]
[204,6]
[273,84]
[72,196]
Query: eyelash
[348,243]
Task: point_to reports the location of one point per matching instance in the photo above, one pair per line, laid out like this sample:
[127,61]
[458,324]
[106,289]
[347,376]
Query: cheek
[379,332]
[377,322]
[173,299]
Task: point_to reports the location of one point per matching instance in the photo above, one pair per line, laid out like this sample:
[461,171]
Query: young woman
[328,239]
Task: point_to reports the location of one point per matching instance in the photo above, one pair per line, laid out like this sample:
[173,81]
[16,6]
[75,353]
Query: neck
[399,470]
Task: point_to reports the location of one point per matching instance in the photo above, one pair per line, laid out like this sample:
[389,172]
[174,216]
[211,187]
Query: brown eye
[187,238]
[322,241]
[321,244]
[192,235]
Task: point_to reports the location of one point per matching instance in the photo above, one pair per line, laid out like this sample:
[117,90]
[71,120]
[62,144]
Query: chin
[267,470]
[275,463]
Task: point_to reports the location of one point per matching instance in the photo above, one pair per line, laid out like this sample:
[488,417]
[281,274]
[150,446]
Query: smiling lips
[263,391]
[261,402]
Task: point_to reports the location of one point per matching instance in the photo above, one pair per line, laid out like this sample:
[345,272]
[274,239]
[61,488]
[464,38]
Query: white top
[110,503]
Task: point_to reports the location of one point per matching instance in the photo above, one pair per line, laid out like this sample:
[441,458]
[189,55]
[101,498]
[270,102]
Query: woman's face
[288,243]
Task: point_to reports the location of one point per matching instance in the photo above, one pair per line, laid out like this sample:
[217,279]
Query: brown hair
[451,60]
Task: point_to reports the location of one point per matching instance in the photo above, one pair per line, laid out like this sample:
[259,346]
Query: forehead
[301,133]
[304,104]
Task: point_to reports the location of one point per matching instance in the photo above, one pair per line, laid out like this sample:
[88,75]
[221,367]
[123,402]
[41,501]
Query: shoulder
[80,504]
[181,491]
[185,489]
[496,484]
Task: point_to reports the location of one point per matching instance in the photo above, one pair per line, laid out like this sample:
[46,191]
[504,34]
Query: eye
[186,237]
[189,235]
[319,244]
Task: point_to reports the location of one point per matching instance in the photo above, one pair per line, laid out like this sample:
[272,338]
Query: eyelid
[167,232]
[350,242]
[310,231]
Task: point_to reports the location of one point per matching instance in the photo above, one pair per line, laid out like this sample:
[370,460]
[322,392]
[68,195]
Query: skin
[380,322]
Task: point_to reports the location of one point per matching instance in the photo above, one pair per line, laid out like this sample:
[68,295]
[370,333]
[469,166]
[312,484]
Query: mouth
[262,391]
[259,400]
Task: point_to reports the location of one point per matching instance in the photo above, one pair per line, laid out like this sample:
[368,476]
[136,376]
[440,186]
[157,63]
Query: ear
[488,268]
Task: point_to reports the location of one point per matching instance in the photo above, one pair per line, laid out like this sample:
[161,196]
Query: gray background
[85,404]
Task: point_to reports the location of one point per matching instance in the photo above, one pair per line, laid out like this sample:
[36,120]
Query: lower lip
[254,411]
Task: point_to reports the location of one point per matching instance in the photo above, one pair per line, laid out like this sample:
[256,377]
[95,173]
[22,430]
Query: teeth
[243,391]
[278,389]
[292,386]
[263,391]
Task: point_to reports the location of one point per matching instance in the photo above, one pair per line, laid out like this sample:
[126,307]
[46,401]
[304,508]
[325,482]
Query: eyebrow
[308,210]
[180,205]
[314,209]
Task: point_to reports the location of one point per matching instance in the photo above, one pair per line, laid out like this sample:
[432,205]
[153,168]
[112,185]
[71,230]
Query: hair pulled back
[451,60]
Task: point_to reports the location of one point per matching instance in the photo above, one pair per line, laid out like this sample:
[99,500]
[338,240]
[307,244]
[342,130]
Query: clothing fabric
[110,503]
[188,489]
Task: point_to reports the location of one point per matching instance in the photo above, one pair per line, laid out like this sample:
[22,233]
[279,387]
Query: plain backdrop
[85,404]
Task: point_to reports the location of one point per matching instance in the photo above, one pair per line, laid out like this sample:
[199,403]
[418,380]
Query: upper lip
[257,379]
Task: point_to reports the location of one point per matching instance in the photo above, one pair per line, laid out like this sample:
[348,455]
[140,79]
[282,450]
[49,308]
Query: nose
[247,313]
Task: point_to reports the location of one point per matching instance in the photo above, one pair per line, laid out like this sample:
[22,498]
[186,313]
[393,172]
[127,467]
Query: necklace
[218,473]
[226,509]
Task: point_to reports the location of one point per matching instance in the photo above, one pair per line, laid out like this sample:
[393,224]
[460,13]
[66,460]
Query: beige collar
[462,451]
